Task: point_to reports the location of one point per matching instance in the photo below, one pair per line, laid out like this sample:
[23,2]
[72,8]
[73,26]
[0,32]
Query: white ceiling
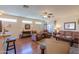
[35,11]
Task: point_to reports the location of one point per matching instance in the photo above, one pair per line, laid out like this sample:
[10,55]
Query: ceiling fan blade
[50,14]
[45,13]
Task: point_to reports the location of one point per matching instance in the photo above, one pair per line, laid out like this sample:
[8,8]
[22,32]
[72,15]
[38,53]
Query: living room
[34,26]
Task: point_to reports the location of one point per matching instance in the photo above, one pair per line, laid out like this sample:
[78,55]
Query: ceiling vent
[25,6]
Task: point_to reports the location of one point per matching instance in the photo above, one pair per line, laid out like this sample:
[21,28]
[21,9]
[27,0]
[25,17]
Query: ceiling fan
[47,15]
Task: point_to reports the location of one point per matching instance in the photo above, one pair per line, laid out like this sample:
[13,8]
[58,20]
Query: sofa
[42,35]
[69,36]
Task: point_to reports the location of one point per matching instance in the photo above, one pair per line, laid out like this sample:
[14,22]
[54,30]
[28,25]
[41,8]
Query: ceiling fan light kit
[47,15]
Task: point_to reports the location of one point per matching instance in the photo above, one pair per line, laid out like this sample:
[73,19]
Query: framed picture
[0,26]
[70,25]
[27,26]
[78,21]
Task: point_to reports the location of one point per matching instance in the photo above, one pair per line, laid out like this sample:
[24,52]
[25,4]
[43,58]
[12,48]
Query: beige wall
[18,27]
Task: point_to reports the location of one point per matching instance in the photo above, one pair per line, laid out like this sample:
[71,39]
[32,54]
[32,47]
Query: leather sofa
[73,34]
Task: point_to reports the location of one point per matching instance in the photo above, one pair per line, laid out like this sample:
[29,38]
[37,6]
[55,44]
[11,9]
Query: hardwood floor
[27,46]
[56,46]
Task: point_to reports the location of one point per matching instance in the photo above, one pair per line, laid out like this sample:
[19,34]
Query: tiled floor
[27,46]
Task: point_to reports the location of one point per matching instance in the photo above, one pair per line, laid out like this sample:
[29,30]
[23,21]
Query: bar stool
[10,46]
